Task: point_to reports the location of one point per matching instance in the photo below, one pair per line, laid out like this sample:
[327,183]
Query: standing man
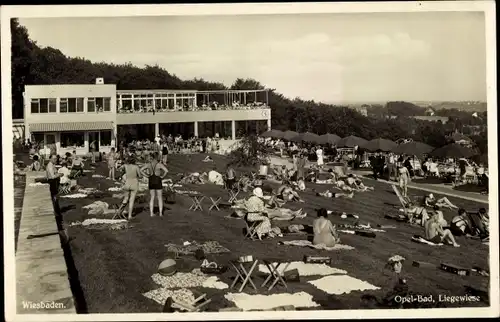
[53,178]
[92,150]
[392,166]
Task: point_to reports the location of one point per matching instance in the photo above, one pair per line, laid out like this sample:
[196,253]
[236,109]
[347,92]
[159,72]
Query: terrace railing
[152,109]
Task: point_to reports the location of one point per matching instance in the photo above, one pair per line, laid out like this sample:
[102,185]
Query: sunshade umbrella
[288,135]
[329,138]
[413,148]
[275,134]
[379,145]
[306,137]
[453,150]
[350,142]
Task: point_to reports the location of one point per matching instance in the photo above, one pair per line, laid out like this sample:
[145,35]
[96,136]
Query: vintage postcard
[250,161]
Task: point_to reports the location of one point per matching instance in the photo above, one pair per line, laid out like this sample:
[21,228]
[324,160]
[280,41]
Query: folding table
[274,275]
[233,195]
[244,274]
[196,199]
[215,203]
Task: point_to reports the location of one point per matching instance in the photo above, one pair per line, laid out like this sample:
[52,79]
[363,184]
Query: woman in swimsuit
[131,185]
[155,171]
[164,152]
[324,231]
[404,177]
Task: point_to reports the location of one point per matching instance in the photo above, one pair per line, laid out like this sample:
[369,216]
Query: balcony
[152,116]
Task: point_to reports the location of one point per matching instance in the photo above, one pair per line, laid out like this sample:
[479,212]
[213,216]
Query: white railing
[151,109]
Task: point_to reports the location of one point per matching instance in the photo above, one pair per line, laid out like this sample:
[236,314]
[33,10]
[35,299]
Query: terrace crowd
[213,106]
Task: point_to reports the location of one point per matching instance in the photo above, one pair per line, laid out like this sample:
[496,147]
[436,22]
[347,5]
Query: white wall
[69,91]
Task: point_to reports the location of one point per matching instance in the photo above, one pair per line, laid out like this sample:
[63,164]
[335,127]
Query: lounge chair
[405,202]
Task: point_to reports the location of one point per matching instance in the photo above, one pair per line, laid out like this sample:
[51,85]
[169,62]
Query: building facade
[81,117]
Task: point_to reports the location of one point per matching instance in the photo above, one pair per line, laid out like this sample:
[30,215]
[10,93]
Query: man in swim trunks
[435,233]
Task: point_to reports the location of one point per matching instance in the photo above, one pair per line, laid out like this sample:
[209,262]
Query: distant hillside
[461,106]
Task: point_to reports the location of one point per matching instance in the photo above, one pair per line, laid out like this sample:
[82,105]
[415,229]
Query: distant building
[430,118]
[363,109]
[430,111]
[78,117]
[459,138]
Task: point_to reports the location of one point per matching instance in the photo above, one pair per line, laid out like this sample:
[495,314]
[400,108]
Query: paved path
[432,188]
[435,188]
[41,271]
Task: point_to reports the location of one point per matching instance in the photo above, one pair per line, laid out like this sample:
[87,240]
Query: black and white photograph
[250,161]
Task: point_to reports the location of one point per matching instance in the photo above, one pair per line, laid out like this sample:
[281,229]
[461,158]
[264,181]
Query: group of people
[169,144]
[189,106]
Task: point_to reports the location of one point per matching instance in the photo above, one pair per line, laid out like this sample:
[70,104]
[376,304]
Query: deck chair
[250,231]
[120,211]
[405,202]
[64,188]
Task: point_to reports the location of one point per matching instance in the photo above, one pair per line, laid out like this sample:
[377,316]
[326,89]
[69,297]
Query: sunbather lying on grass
[286,192]
[431,201]
[356,184]
[273,211]
[330,194]
[195,178]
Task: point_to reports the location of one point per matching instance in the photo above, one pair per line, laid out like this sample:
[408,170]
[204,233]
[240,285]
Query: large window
[43,105]
[72,139]
[105,138]
[99,104]
[75,105]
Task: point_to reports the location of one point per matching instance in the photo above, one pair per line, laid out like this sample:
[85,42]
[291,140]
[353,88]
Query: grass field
[115,267]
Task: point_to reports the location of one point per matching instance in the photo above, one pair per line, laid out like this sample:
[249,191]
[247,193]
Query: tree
[250,152]
[33,65]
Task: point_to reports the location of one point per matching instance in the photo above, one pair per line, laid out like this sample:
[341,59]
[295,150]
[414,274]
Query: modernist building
[72,117]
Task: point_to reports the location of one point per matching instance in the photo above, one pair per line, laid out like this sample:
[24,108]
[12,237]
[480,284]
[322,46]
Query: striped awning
[70,126]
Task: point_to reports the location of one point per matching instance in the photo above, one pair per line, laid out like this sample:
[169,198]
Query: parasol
[288,135]
[350,142]
[413,148]
[453,150]
[275,134]
[307,137]
[379,145]
[329,138]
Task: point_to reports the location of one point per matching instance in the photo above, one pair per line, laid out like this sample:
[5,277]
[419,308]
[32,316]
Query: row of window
[165,103]
[70,105]
[165,95]
[75,139]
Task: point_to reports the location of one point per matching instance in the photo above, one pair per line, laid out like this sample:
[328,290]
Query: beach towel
[249,302]
[195,278]
[306,243]
[421,240]
[305,269]
[160,295]
[342,284]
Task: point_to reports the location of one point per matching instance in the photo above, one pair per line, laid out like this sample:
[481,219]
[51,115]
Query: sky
[347,57]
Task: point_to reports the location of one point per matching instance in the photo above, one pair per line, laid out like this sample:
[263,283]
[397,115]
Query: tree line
[34,65]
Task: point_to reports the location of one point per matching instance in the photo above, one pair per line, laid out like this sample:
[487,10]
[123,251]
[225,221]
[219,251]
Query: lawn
[115,267]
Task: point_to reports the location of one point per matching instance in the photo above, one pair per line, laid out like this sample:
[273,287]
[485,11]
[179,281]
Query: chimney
[99,81]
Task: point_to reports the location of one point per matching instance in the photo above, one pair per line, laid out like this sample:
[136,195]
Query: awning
[70,126]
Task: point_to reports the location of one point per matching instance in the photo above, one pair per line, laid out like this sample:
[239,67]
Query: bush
[250,152]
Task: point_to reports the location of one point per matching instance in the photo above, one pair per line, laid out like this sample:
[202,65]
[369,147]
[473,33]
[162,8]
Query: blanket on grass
[306,243]
[209,247]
